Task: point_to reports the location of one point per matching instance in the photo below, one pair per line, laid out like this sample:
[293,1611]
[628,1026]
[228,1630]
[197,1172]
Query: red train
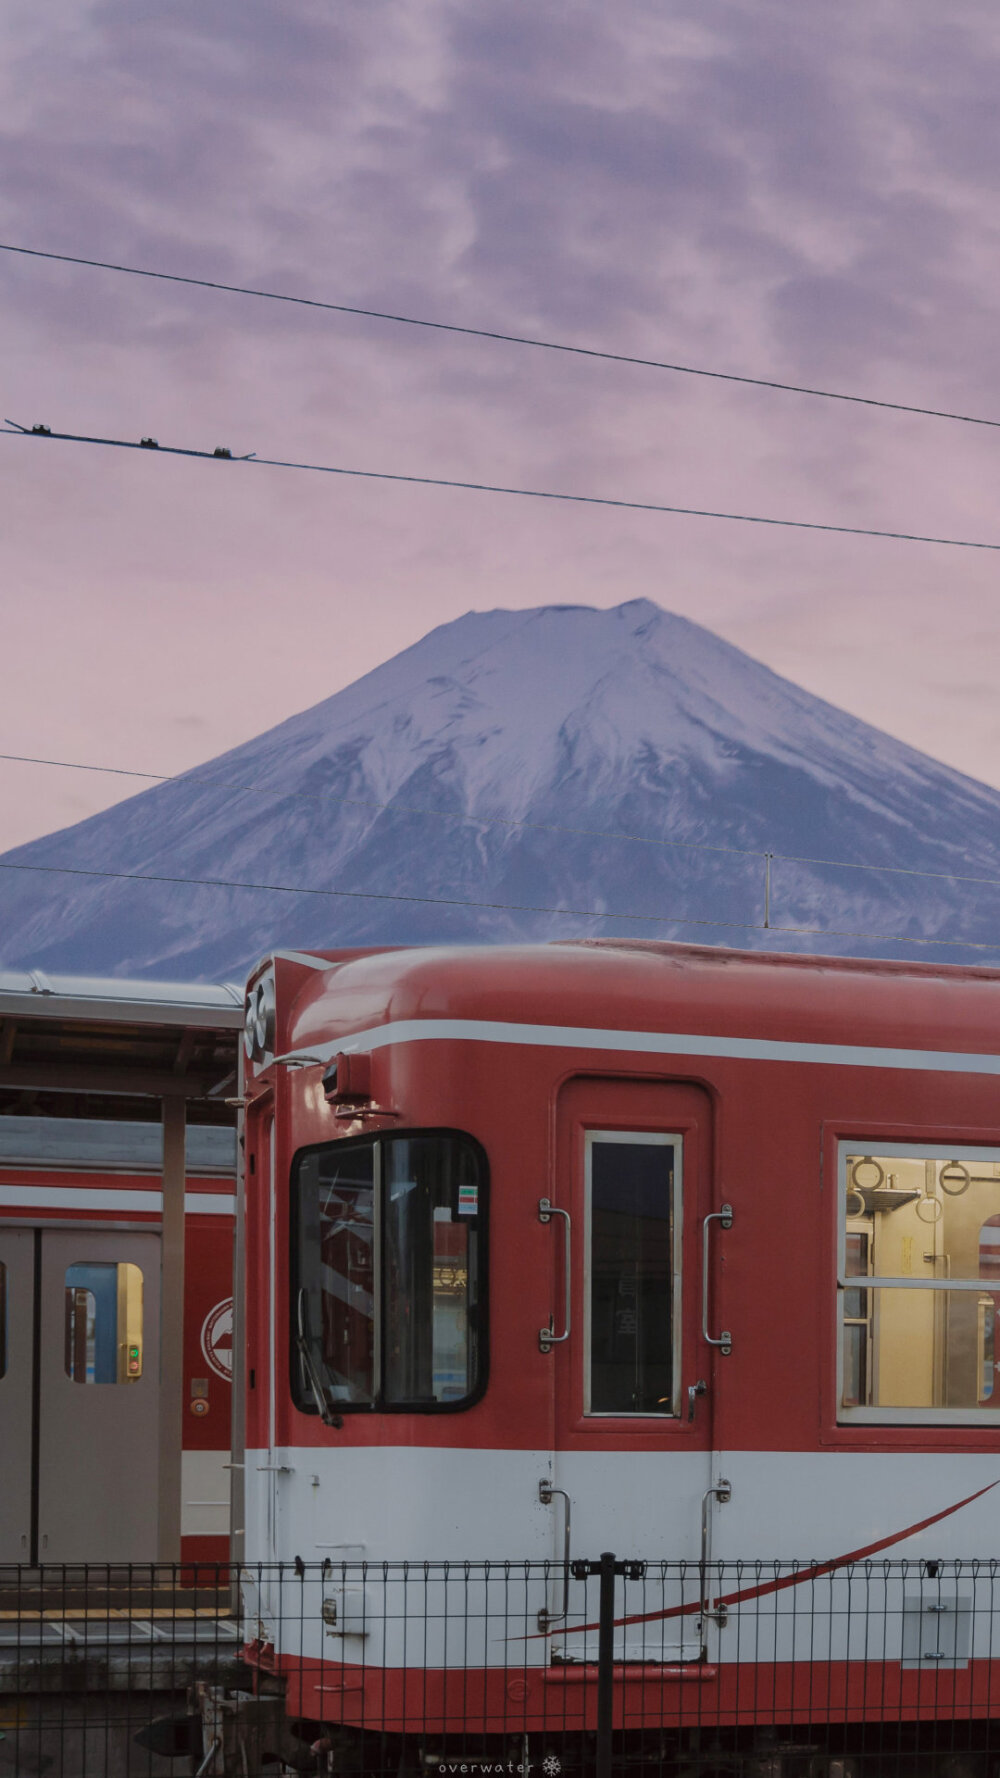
[685,1254]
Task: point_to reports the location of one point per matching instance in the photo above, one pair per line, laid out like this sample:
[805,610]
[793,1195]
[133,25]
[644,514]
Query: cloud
[749,184]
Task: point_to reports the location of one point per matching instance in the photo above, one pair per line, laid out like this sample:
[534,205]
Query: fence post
[607,1568]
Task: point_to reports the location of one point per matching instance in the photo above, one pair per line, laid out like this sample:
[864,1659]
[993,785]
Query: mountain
[624,761]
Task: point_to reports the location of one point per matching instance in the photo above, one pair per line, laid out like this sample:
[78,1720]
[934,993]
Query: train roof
[629,985]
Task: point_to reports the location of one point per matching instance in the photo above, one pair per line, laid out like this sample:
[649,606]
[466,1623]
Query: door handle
[694,1390]
[724,1340]
[547,1618]
[547,1336]
[722,1492]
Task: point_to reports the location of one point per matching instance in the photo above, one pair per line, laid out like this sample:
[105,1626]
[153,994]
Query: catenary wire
[357,802]
[510,339]
[640,839]
[368,895]
[437,481]
[895,870]
[511,907]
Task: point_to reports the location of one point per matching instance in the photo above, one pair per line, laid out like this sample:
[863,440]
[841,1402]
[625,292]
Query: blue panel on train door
[102,1282]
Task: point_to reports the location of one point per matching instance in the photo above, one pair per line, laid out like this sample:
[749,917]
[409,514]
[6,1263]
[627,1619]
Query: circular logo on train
[217,1339]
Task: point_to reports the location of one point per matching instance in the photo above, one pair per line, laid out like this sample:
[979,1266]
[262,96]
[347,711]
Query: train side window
[389,1279]
[921,1226]
[632,1260]
[3,1319]
[103,1322]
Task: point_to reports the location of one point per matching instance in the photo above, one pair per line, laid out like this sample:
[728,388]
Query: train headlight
[263,1024]
[258,1026]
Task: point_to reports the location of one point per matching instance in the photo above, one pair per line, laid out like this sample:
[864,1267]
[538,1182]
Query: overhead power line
[505,821]
[448,901]
[358,802]
[222,453]
[510,339]
[515,907]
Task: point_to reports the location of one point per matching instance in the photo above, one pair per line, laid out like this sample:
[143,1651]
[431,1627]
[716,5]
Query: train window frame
[673,1140]
[302,1396]
[885,1147]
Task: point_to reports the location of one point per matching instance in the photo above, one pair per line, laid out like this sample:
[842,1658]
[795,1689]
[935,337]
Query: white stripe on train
[668,1043]
[87,1197]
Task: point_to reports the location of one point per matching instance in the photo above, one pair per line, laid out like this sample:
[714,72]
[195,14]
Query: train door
[84,1369]
[99,1376]
[17,1262]
[632,1455]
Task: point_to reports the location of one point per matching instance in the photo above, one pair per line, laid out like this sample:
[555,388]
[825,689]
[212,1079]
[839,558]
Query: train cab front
[366,1321]
[366,1263]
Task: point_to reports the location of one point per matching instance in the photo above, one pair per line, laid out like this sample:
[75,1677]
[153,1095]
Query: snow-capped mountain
[625,764]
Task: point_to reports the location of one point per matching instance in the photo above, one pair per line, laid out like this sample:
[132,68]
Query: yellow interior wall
[926,1344]
[129,1318]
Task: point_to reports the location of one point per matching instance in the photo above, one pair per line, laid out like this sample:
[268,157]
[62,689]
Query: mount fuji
[551,773]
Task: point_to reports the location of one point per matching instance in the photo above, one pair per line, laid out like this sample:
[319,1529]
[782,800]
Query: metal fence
[740,1670]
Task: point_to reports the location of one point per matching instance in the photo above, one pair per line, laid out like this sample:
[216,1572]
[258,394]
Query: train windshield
[388,1287]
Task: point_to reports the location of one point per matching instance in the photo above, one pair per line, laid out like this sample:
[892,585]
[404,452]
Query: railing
[408,1668]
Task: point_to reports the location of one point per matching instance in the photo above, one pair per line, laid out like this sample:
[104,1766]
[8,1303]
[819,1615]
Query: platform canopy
[75,1046]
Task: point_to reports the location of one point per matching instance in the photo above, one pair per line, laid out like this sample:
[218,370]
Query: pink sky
[805,193]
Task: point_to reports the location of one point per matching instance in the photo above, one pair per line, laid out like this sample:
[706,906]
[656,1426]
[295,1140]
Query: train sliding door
[99,1369]
[633,1399]
[79,1396]
[17,1263]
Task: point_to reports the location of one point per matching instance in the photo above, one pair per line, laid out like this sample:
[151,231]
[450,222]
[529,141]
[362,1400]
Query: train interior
[920,1282]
